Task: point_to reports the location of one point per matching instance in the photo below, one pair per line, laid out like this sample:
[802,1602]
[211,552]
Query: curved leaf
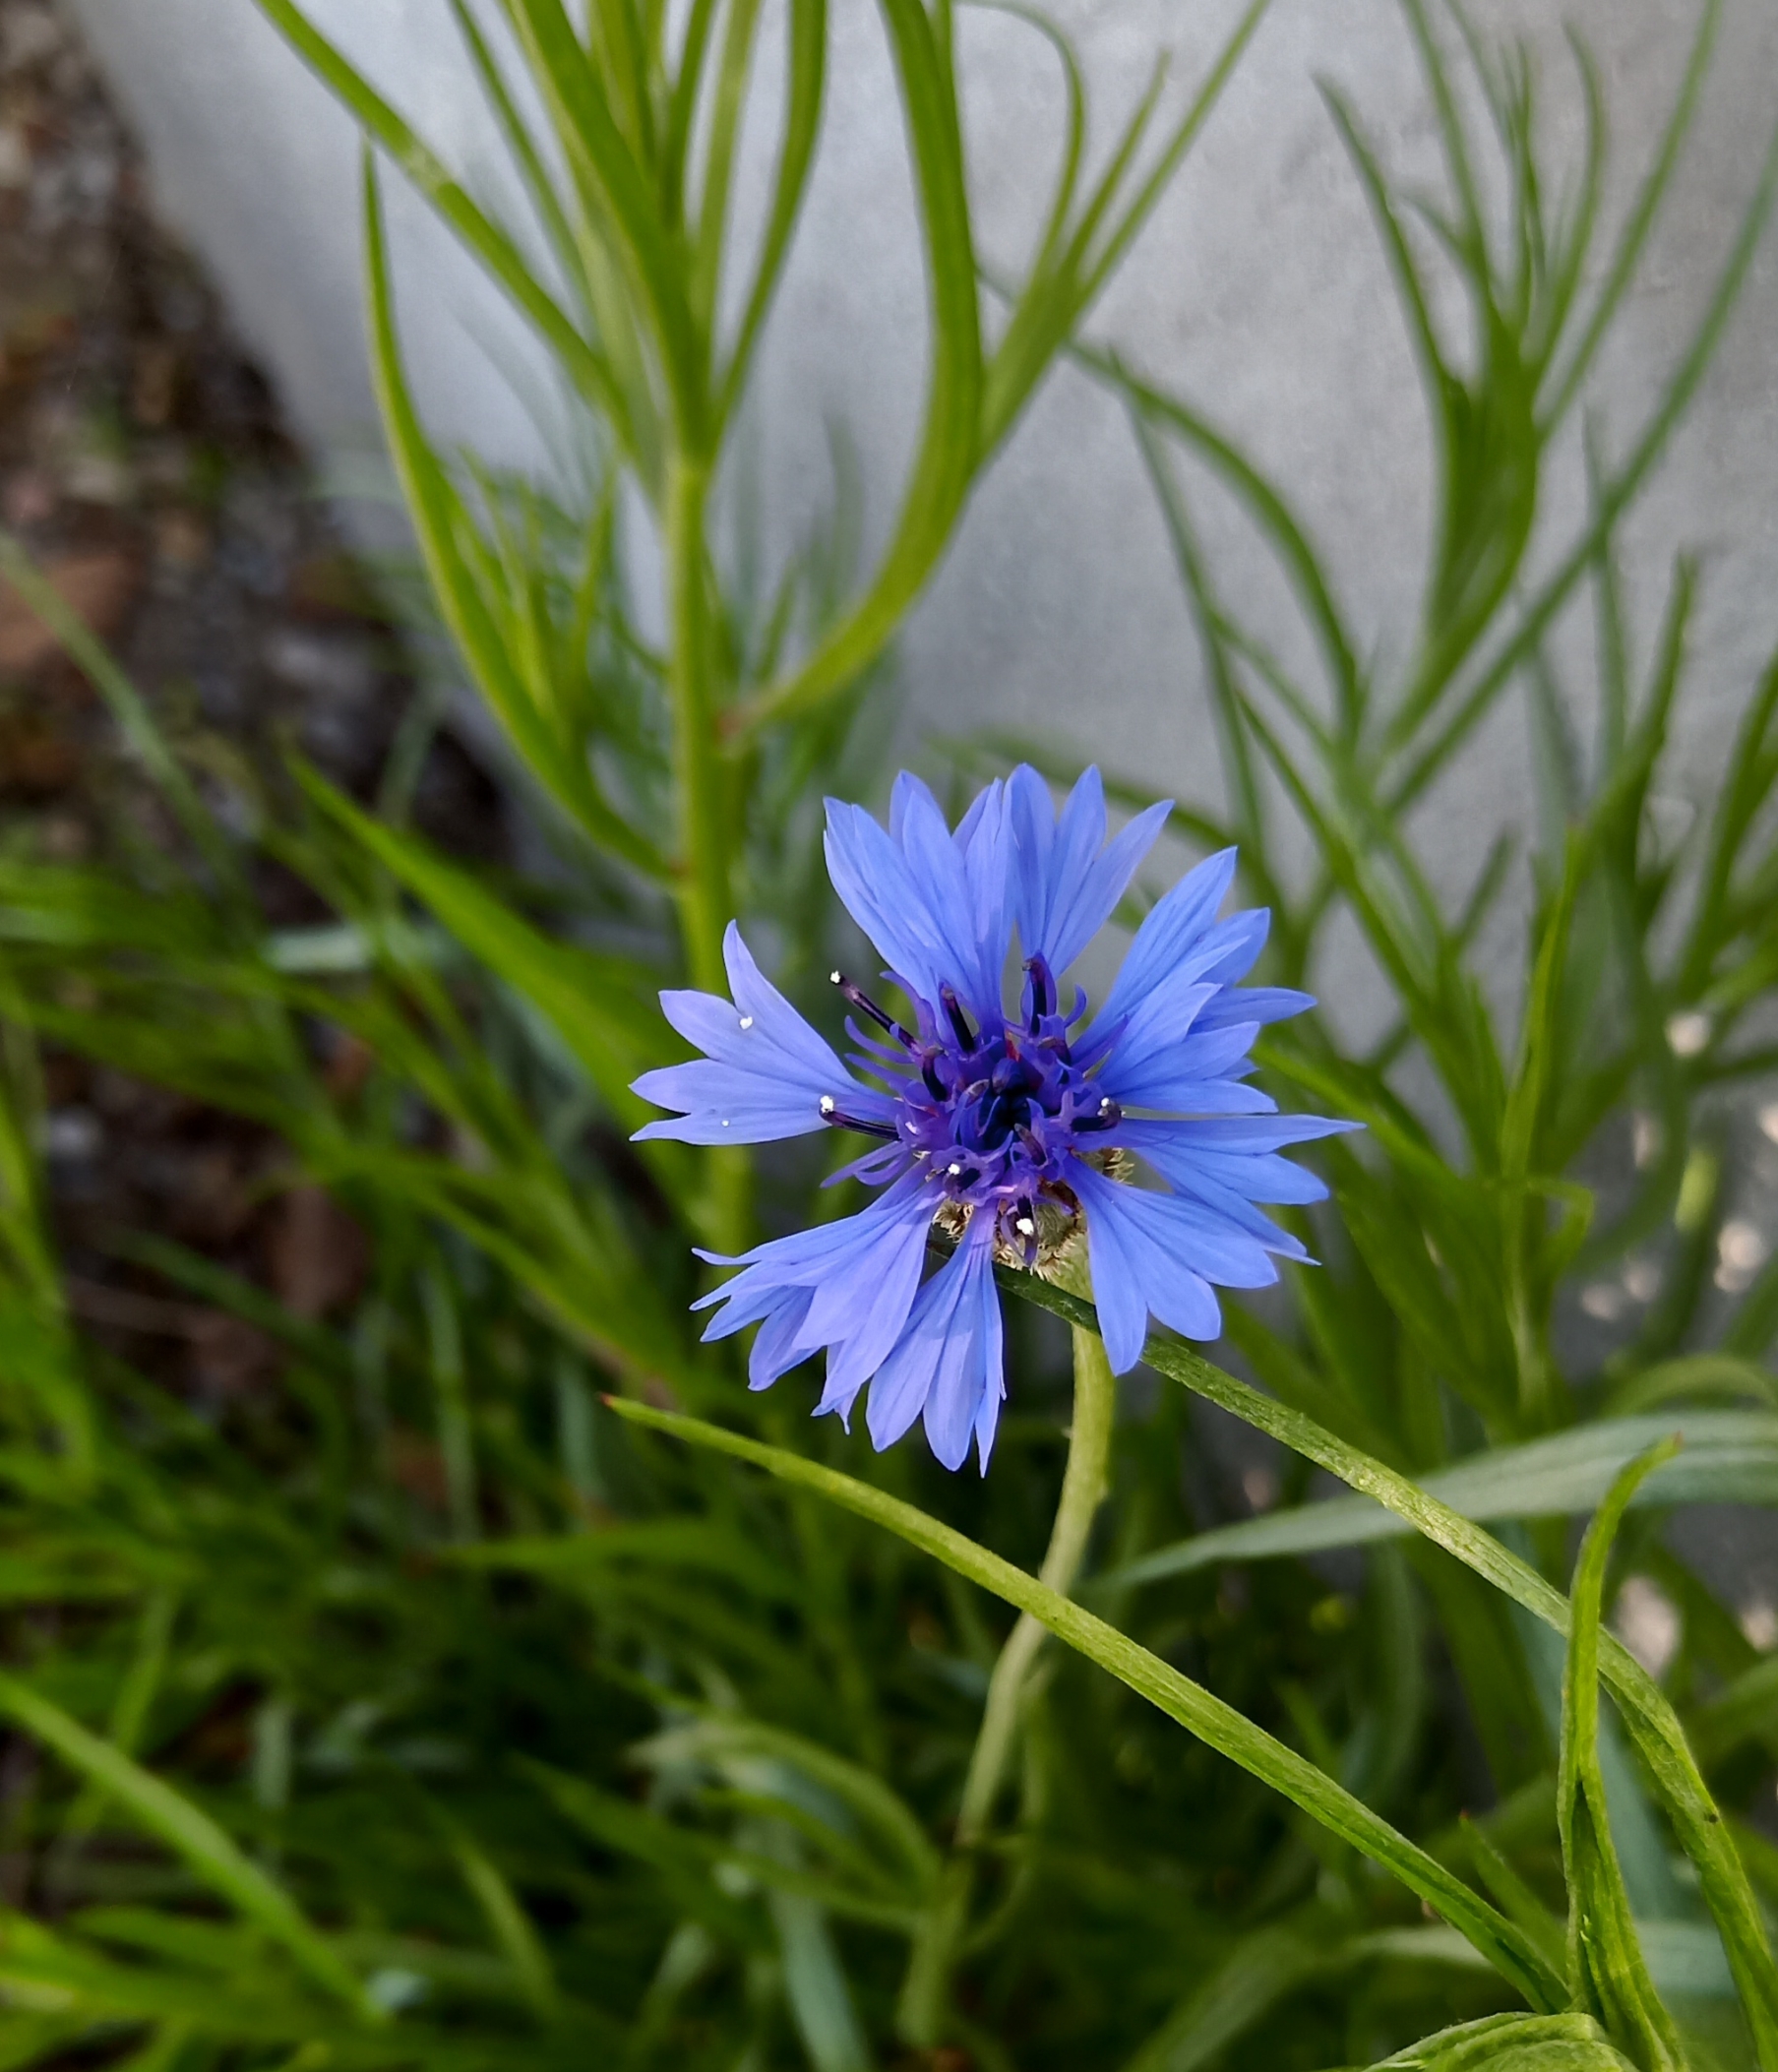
[1650,1719]
[191,1833]
[1217,1725]
[1729,1457]
[1605,1958]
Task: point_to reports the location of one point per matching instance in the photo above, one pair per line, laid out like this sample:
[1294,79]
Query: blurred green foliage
[424,1711]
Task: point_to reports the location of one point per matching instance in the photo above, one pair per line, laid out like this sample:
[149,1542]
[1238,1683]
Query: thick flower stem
[703,889]
[925,1996]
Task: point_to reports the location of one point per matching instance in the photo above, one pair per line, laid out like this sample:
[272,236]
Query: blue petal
[877,889]
[1208,1097]
[982,807]
[1264,1177]
[937,905]
[1200,1156]
[722,1105]
[970,1378]
[1230,1184]
[775,1350]
[1161,1022]
[1170,932]
[1241,1212]
[1204,971]
[1263,1004]
[870,876]
[1156,1254]
[902,793]
[948,1360]
[1068,881]
[964,884]
[1247,1133]
[774,1018]
[1169,1075]
[764,1070]
[861,1303]
[984,840]
[852,1269]
[1228,951]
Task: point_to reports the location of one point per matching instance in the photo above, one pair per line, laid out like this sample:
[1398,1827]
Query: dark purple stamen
[959,1022]
[865,1004]
[1043,991]
[996,1117]
[1107,1116]
[833,1115]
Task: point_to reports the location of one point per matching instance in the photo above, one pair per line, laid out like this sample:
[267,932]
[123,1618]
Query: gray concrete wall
[1258,290]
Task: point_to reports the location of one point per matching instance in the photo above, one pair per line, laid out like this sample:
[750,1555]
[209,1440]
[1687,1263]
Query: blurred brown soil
[144,464]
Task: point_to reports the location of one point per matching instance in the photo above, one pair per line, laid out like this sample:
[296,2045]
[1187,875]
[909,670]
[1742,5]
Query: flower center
[993,1113]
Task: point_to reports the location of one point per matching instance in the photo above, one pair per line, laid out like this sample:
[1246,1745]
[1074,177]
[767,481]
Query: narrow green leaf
[1646,1712]
[581,1560]
[1217,1725]
[134,719]
[1616,495]
[1510,2043]
[1606,1963]
[950,450]
[188,1831]
[878,1809]
[612,172]
[1640,221]
[1264,1968]
[1278,523]
[481,235]
[721,126]
[467,583]
[600,1006]
[509,1923]
[41,1969]
[806,63]
[1745,1709]
[682,1857]
[1730,1456]
[1724,1374]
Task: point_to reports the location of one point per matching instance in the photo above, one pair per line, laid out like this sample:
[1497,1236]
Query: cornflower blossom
[1014,1134]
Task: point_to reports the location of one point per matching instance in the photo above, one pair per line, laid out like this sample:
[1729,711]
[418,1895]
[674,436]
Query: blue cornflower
[1012,1133]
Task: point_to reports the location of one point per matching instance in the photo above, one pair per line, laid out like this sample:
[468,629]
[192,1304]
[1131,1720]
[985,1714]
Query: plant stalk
[702,886]
[701,873]
[925,1996]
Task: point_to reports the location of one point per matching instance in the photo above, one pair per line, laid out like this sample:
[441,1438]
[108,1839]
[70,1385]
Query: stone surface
[1259,291]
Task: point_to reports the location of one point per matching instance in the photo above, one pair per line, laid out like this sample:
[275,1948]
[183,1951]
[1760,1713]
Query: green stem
[702,867]
[702,878]
[926,1994]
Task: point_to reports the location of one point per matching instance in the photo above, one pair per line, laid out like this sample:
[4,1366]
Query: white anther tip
[826,1104]
[747,1021]
[1025,1227]
[835,978]
[954,1167]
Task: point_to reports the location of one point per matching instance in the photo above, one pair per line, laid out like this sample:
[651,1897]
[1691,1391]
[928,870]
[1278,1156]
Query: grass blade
[191,1833]
[1650,1719]
[1218,1725]
[133,720]
[503,260]
[597,1004]
[950,449]
[1730,1457]
[1605,1958]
